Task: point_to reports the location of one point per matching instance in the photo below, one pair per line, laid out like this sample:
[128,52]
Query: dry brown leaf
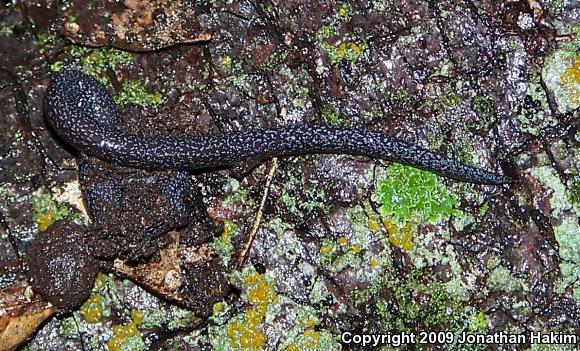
[21,312]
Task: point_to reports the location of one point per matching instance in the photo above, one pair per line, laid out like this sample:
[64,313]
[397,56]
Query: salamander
[83,113]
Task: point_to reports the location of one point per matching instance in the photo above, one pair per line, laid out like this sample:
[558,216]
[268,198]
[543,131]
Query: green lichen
[278,226]
[501,279]
[57,66]
[69,327]
[47,211]
[568,238]
[381,5]
[223,243]
[407,194]
[331,116]
[485,111]
[464,221]
[325,32]
[305,332]
[92,309]
[180,318]
[133,92]
[574,192]
[327,249]
[449,99]
[479,323]
[345,50]
[46,41]
[6,31]
[345,10]
[559,197]
[555,7]
[407,304]
[226,61]
[553,347]
[348,51]
[483,209]
[566,232]
[302,207]
[94,61]
[245,330]
[237,193]
[297,326]
[402,96]
[365,225]
[242,82]
[71,19]
[96,307]
[278,57]
[220,312]
[300,99]
[312,340]
[319,293]
[433,250]
[154,314]
[342,253]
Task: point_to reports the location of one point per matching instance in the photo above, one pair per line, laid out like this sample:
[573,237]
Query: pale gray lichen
[567,232]
[560,73]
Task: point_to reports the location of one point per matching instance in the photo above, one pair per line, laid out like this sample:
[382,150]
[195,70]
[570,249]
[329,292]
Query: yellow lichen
[261,293]
[572,74]
[226,61]
[45,220]
[401,237]
[218,308]
[342,241]
[92,309]
[124,335]
[252,339]
[344,10]
[356,248]
[100,282]
[373,224]
[137,316]
[341,51]
[127,337]
[252,279]
[356,48]
[571,77]
[326,249]
[374,262]
[311,338]
[47,211]
[246,334]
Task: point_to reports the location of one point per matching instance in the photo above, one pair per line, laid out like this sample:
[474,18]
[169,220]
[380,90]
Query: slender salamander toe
[83,113]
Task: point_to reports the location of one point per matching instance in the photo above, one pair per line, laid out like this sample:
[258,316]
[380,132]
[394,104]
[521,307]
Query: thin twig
[258,219]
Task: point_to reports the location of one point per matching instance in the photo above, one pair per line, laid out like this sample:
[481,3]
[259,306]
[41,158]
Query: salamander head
[78,100]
